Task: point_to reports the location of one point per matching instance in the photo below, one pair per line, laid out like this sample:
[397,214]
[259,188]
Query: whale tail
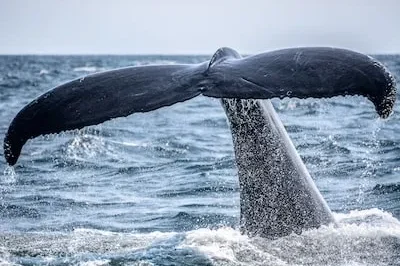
[99,97]
[298,72]
[319,72]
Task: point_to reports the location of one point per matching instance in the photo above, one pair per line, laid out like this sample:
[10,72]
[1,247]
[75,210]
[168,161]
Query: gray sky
[199,26]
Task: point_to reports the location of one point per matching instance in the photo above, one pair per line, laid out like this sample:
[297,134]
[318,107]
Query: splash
[9,175]
[89,69]
[371,161]
[85,146]
[366,237]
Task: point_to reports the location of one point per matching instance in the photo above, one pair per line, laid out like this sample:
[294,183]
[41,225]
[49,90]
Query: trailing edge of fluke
[298,72]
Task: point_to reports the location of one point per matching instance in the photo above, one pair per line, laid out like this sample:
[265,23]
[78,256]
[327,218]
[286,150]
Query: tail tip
[384,102]
[11,153]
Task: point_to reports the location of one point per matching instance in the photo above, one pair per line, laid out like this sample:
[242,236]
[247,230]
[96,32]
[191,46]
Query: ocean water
[161,188]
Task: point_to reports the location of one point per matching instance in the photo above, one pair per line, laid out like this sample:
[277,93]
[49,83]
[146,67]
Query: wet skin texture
[277,194]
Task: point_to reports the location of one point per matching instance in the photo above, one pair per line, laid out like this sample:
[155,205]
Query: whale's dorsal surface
[278,195]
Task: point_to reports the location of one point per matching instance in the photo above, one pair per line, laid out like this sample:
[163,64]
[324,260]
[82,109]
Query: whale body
[277,194]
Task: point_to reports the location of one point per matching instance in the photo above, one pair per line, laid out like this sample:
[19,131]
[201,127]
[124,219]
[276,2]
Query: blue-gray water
[161,188]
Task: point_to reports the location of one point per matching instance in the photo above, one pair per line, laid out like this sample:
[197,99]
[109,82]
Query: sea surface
[161,188]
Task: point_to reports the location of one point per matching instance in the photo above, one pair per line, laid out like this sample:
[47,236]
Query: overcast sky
[199,26]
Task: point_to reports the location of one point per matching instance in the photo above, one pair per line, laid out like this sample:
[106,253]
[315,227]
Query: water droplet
[9,175]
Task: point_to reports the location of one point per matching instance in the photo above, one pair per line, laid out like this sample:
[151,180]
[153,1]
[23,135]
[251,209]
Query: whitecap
[87,69]
[85,146]
[155,62]
[9,175]
[372,240]
[43,72]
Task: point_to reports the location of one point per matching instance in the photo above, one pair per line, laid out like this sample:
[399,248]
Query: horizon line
[150,54]
[106,54]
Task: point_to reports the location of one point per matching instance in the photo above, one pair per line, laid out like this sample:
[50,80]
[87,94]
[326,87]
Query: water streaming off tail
[161,188]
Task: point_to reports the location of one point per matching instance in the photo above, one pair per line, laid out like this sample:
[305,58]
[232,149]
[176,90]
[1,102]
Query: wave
[386,188]
[155,62]
[43,72]
[366,237]
[12,210]
[88,69]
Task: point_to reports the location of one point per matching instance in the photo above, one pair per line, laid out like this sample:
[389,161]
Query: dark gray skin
[278,195]
[298,72]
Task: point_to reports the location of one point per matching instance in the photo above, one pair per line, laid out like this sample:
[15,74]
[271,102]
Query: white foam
[155,62]
[227,245]
[366,237]
[82,239]
[9,175]
[43,72]
[370,241]
[131,143]
[372,217]
[95,263]
[87,69]
[86,146]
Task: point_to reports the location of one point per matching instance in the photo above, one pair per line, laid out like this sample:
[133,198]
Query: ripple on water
[97,196]
[368,237]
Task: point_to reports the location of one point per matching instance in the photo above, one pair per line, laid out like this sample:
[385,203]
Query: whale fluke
[319,72]
[298,72]
[97,98]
